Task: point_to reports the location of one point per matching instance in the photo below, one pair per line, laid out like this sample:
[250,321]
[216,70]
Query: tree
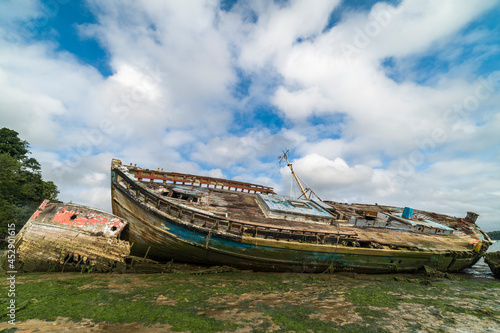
[8,188]
[494,235]
[22,188]
[12,145]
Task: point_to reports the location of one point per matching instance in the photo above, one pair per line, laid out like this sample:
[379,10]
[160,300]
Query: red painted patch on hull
[71,218]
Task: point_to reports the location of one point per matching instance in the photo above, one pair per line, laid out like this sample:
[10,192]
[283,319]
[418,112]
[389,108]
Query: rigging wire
[274,173]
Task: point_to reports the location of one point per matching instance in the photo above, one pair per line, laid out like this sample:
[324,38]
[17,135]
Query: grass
[256,301]
[51,299]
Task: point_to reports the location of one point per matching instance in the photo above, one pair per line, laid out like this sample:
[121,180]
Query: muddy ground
[201,300]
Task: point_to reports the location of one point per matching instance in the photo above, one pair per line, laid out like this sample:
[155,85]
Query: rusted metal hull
[68,237]
[190,232]
[493,261]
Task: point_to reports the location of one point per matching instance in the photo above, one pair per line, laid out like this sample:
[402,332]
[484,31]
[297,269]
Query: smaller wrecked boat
[493,260]
[69,237]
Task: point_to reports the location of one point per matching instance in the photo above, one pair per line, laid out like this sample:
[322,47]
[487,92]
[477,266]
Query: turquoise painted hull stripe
[230,246]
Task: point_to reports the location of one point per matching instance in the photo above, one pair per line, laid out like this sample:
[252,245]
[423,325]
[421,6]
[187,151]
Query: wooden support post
[69,256]
[144,259]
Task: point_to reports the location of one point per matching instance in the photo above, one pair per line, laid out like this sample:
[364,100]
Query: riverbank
[201,300]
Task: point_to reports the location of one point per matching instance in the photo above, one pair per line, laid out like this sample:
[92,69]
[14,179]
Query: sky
[388,102]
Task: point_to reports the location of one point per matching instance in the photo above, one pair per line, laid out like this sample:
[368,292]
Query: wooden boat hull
[493,261]
[168,232]
[68,237]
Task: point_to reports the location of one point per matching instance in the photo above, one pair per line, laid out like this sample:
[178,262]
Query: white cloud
[416,25]
[13,11]
[325,173]
[278,28]
[44,93]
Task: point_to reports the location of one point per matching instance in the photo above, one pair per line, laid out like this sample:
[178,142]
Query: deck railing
[230,226]
[185,179]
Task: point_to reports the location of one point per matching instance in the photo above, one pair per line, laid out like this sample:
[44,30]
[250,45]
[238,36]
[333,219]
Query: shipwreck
[68,237]
[215,221]
[493,261]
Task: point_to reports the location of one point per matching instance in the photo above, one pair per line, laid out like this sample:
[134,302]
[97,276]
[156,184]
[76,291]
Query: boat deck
[244,207]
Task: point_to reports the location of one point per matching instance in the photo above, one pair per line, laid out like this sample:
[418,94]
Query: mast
[298,180]
[294,175]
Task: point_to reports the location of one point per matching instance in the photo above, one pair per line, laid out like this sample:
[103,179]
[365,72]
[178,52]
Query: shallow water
[481,269]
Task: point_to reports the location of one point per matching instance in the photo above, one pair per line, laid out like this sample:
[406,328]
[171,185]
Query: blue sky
[394,102]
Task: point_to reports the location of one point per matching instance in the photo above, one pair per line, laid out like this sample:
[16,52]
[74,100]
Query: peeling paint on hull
[170,229]
[68,237]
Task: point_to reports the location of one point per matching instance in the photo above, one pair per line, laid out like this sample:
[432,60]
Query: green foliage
[22,188]
[494,235]
[49,190]
[11,144]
